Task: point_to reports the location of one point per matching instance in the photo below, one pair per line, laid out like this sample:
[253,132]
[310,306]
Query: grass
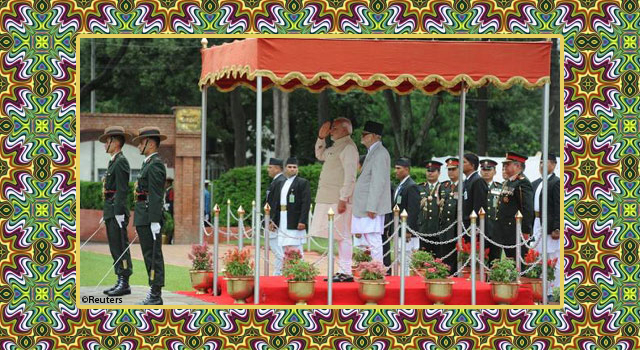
[93,266]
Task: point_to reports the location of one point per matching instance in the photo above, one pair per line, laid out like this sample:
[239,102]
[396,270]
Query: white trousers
[277,251]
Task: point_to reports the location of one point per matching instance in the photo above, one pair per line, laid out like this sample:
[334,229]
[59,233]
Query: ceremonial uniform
[429,214]
[115,213]
[448,204]
[491,208]
[516,195]
[149,197]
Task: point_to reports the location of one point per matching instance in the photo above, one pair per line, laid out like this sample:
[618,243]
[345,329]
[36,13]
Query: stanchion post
[518,242]
[473,217]
[240,228]
[330,213]
[254,223]
[216,247]
[228,220]
[310,219]
[482,214]
[267,236]
[403,253]
[396,226]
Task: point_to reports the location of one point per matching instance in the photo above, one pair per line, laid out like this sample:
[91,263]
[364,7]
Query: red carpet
[273,291]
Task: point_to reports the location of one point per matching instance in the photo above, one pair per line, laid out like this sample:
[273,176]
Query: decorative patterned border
[37,201]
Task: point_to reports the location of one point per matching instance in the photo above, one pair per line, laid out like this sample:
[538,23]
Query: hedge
[91,195]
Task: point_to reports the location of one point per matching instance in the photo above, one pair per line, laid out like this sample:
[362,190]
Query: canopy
[373,65]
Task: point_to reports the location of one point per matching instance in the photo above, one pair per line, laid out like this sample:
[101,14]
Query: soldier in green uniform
[149,196]
[448,204]
[488,172]
[428,219]
[115,188]
[516,195]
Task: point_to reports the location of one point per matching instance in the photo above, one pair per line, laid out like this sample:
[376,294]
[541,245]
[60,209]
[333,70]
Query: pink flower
[432,269]
[438,260]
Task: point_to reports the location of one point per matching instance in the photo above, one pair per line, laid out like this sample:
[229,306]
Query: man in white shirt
[372,195]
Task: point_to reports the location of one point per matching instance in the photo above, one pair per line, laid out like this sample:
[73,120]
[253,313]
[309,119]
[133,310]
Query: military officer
[448,204]
[148,209]
[430,211]
[516,195]
[488,172]
[116,211]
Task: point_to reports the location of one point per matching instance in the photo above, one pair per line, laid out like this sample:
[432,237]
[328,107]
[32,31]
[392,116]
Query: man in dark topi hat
[475,189]
[115,188]
[149,196]
[274,169]
[516,195]
[372,195]
[407,197]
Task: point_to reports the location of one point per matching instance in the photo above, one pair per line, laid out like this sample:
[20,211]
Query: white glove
[166,206]
[155,229]
[120,220]
[101,221]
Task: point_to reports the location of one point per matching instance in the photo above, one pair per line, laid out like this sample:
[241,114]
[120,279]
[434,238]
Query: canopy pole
[203,160]
[256,290]
[463,98]
[545,176]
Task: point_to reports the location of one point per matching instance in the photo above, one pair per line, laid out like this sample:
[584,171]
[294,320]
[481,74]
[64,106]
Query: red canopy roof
[373,65]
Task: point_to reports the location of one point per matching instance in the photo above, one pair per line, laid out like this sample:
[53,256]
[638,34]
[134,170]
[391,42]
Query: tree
[106,72]
[281,123]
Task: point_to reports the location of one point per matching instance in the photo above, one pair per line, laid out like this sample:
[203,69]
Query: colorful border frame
[37,201]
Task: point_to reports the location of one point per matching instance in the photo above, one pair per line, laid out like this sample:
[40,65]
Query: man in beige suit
[335,189]
[372,195]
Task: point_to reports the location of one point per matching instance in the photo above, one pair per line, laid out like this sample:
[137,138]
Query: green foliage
[555,297]
[361,255]
[419,258]
[300,271]
[91,195]
[436,269]
[237,262]
[201,257]
[503,270]
[371,270]
[168,225]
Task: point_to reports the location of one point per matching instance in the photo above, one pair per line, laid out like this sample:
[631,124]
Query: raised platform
[273,291]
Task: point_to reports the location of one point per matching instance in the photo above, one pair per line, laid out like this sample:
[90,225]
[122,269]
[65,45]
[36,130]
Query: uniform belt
[537,214]
[109,194]
[283,208]
[141,196]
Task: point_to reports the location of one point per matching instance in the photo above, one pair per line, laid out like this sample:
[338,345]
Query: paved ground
[176,254]
[138,293]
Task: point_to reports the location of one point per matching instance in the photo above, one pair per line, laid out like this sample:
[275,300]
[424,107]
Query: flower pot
[439,290]
[200,279]
[504,293]
[416,272]
[240,288]
[371,291]
[301,291]
[536,287]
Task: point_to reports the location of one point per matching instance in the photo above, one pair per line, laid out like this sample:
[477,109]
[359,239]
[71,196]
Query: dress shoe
[154,297]
[121,289]
[106,291]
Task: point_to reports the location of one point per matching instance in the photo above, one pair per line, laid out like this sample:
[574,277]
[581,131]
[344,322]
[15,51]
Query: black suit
[553,202]
[298,203]
[272,197]
[475,197]
[408,198]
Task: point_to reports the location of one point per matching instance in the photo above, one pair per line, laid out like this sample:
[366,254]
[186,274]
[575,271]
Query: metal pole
[253,216]
[545,159]
[482,214]
[310,220]
[396,226]
[256,290]
[93,107]
[216,246]
[518,241]
[330,213]
[228,220]
[203,160]
[473,218]
[463,98]
[240,228]
[403,253]
[267,235]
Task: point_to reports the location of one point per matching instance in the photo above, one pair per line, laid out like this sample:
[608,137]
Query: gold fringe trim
[239,71]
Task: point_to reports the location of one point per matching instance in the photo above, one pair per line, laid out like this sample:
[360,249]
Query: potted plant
[533,276]
[239,274]
[371,281]
[358,256]
[464,251]
[417,261]
[436,277]
[301,277]
[503,278]
[201,270]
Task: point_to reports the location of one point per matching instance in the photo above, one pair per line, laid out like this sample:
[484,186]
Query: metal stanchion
[396,225]
[254,223]
[228,220]
[518,241]
[403,243]
[240,228]
[256,242]
[267,234]
[482,214]
[330,269]
[216,244]
[473,217]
